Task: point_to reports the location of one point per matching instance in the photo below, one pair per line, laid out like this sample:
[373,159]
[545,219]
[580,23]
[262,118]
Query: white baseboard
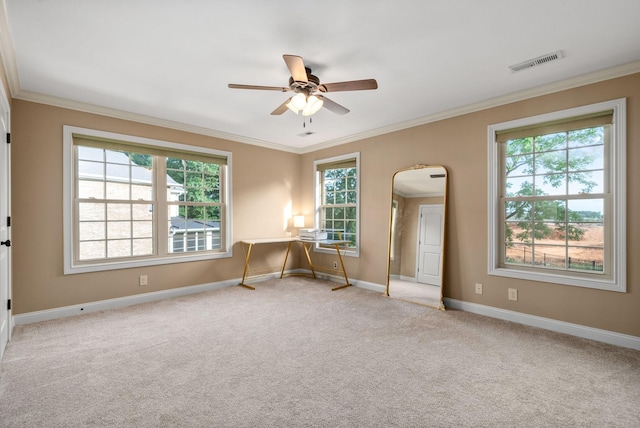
[120,302]
[605,336]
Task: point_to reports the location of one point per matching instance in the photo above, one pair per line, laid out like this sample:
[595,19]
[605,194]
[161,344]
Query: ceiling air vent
[537,61]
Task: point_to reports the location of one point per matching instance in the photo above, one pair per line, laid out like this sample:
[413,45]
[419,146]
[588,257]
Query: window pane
[193,165]
[142,229]
[92,230]
[586,158]
[586,182]
[519,146]
[550,162]
[591,210]
[90,189]
[586,137]
[118,230]
[93,170]
[519,165]
[92,250]
[519,186]
[119,248]
[552,256]
[518,253]
[117,191]
[587,259]
[118,212]
[118,172]
[141,193]
[551,184]
[518,210]
[142,247]
[142,211]
[90,153]
[549,142]
[91,211]
[549,211]
[114,156]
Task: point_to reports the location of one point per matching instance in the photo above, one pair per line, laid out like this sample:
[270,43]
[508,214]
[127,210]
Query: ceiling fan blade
[262,88]
[333,106]
[354,85]
[281,108]
[296,67]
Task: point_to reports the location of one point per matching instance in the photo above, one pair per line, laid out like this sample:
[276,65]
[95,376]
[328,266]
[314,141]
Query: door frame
[5,194]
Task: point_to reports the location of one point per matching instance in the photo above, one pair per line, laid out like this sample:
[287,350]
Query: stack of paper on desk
[312,234]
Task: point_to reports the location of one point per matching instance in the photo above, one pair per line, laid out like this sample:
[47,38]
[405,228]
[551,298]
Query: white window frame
[615,158]
[69,177]
[318,199]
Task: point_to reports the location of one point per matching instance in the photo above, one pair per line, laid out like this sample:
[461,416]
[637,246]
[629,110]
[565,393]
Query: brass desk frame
[307,245]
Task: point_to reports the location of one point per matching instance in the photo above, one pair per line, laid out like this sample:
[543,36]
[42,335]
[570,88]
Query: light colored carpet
[293,353]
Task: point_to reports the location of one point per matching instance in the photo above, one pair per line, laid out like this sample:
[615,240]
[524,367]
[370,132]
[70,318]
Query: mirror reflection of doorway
[416,242]
[430,236]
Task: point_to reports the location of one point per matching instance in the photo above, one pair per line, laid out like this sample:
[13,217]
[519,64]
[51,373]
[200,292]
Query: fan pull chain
[304,122]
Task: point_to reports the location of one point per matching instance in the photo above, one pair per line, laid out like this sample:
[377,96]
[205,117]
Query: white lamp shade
[299,101]
[298,221]
[313,105]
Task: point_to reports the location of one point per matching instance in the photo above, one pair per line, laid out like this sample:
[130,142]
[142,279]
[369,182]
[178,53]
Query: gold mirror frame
[415,190]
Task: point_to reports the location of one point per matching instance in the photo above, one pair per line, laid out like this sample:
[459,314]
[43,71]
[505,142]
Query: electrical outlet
[478,288]
[513,294]
[143,279]
[335,265]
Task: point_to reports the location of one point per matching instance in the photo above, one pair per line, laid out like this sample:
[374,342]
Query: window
[133,202]
[337,199]
[557,197]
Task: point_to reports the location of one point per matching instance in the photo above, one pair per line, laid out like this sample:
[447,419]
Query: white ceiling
[169,62]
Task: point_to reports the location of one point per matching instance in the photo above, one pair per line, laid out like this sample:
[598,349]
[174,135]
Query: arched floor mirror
[416,235]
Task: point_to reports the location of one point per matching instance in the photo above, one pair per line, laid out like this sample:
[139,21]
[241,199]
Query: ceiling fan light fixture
[299,101]
[313,105]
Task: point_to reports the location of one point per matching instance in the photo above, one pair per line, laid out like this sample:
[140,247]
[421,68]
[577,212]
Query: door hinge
[8,138]
[9,221]
[9,304]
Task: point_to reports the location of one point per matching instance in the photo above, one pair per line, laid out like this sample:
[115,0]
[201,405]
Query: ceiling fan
[309,97]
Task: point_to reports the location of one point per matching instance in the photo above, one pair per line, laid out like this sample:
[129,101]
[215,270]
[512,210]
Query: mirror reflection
[416,244]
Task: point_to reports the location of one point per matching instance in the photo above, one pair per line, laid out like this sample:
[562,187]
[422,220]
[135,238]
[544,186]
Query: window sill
[601,283]
[125,264]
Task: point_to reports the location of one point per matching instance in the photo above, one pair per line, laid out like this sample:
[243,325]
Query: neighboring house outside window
[134,202]
[338,200]
[557,197]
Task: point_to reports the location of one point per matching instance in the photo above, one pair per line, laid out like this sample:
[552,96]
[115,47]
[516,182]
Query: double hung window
[133,202]
[557,197]
[337,199]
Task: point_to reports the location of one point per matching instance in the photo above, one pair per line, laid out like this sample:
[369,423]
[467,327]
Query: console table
[307,244]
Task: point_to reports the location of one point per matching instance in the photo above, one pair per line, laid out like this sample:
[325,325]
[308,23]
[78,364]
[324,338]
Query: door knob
[7,243]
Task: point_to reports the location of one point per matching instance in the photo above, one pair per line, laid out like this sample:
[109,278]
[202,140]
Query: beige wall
[460,144]
[261,194]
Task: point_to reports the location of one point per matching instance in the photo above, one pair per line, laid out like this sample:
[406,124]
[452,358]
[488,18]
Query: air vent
[537,61]
[306,134]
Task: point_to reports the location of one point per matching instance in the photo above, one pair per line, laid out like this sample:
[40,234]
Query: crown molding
[562,85]
[144,119]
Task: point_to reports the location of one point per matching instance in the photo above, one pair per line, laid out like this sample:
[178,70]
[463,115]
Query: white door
[430,240]
[5,261]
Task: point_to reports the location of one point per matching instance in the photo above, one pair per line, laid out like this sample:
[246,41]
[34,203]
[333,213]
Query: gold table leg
[306,250]
[285,259]
[344,271]
[246,267]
